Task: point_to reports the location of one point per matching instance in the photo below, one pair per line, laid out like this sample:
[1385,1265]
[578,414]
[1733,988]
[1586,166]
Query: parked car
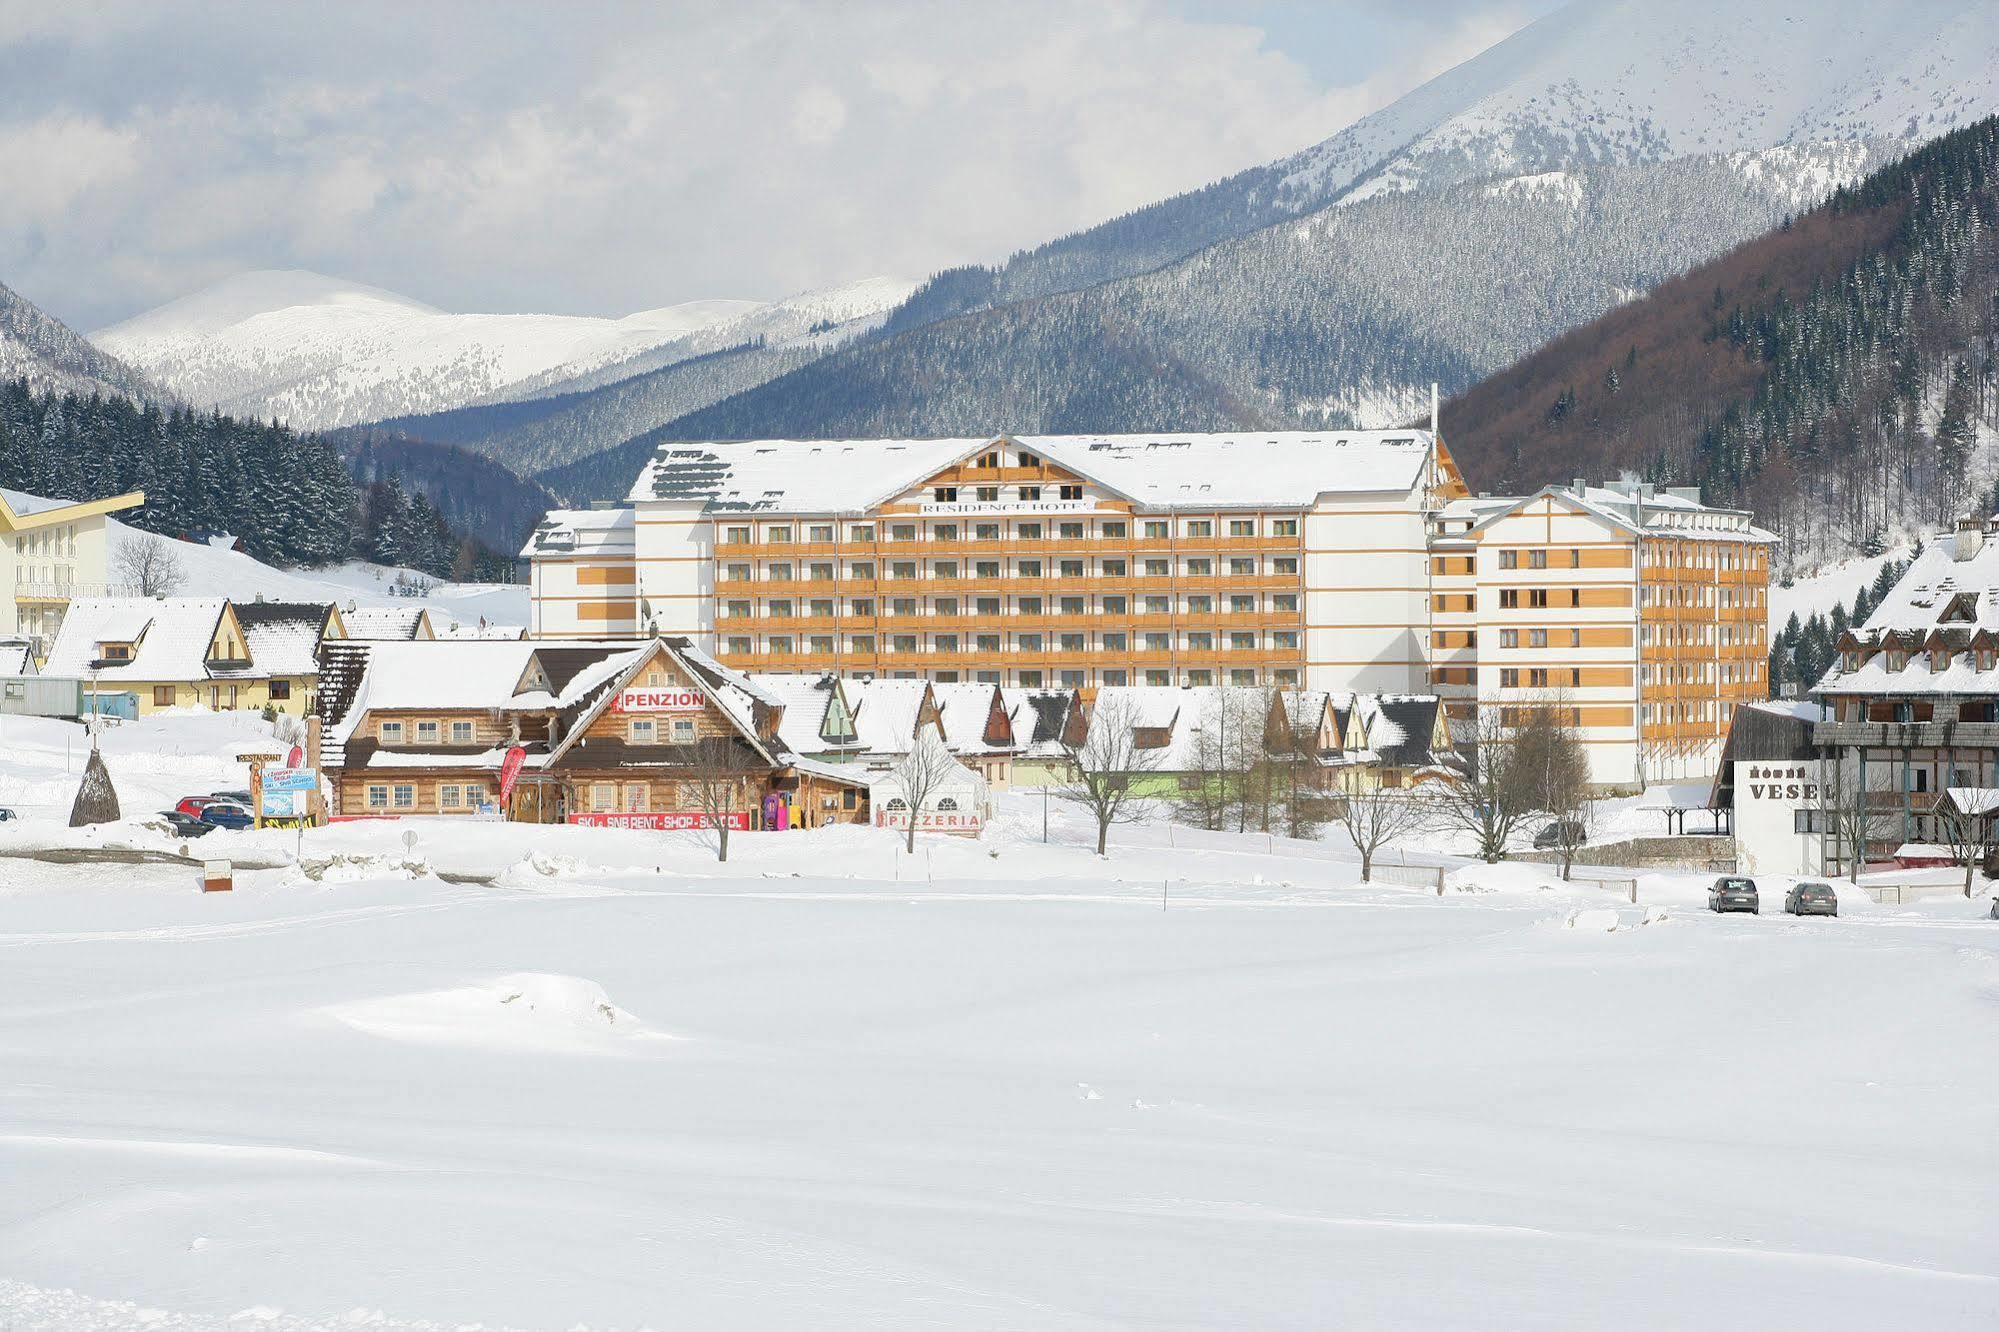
[1811,899]
[225,814]
[240,797]
[1733,892]
[186,825]
[1559,833]
[191,805]
[6,814]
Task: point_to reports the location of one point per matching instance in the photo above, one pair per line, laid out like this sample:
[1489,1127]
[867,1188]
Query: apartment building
[1030,562]
[52,551]
[1641,610]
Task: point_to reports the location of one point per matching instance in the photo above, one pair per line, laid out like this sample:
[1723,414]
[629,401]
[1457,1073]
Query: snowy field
[993,1085]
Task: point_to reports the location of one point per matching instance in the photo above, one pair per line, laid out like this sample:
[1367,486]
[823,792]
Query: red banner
[510,769]
[679,820]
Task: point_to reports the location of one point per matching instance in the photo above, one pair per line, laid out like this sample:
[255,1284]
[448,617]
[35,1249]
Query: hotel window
[1284,527]
[1200,679]
[1537,559]
[902,569]
[1028,531]
[1201,567]
[1575,677]
[862,643]
[391,732]
[944,569]
[1509,678]
[1028,642]
[448,797]
[780,610]
[902,532]
[1114,568]
[1537,678]
[1242,527]
[987,532]
[903,643]
[779,573]
[1284,601]
[1029,569]
[378,797]
[778,536]
[643,731]
[944,532]
[1070,568]
[947,605]
[902,606]
[821,607]
[1030,679]
[1244,676]
[1537,638]
[1158,605]
[986,677]
[1072,605]
[989,460]
[986,569]
[737,573]
[1509,559]
[1200,527]
[1537,598]
[1071,679]
[1284,638]
[1509,638]
[736,610]
[1200,641]
[1241,605]
[1030,494]
[1286,676]
[738,647]
[861,532]
[1242,642]
[405,796]
[1114,605]
[736,535]
[1284,564]
[1200,605]
[1158,568]
[863,607]
[945,494]
[821,572]
[1575,558]
[820,532]
[778,645]
[461,733]
[1159,642]
[1115,642]
[1113,531]
[1071,642]
[863,570]
[987,643]
[987,606]
[1155,531]
[1576,596]
[1071,493]
[1069,531]
[1115,679]
[945,643]
[281,689]
[1158,679]
[1242,567]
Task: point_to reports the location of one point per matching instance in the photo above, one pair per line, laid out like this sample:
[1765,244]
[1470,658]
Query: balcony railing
[69,591]
[1907,735]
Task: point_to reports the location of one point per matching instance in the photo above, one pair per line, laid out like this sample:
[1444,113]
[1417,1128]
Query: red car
[193,805]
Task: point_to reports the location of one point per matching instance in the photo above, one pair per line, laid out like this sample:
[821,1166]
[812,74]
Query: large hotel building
[1344,561]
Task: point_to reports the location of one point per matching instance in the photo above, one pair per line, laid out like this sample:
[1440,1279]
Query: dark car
[1562,832]
[1811,899]
[240,797]
[225,814]
[186,825]
[5,814]
[1733,892]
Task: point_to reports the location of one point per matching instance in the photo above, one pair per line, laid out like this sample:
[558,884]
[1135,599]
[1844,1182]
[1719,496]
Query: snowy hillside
[317,351]
[41,349]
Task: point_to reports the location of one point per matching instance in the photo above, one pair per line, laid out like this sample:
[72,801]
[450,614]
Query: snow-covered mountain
[318,351]
[1596,83]
[38,347]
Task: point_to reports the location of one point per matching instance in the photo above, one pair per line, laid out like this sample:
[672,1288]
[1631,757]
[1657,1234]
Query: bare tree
[1375,815]
[1104,768]
[920,772]
[149,565]
[719,773]
[1847,810]
[1964,816]
[1489,799]
[1303,803]
[1551,766]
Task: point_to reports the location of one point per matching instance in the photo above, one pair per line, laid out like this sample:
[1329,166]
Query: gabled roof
[171,637]
[386,623]
[1040,719]
[966,711]
[283,637]
[17,656]
[1237,470]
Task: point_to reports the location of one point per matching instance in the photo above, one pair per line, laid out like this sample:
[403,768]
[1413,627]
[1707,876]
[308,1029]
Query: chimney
[1580,485]
[1970,538]
[1433,407]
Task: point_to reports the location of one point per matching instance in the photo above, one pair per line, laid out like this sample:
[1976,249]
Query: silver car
[1733,892]
[1811,899]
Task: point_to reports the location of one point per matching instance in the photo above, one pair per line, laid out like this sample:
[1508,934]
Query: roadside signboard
[679,820]
[290,779]
[282,804]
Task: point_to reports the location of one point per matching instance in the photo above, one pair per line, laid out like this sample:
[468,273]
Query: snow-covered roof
[23,504]
[964,710]
[283,636]
[382,623]
[1937,584]
[1677,795]
[1039,718]
[582,532]
[17,656]
[171,637]
[885,713]
[1943,610]
[1632,506]
[803,696]
[1243,469]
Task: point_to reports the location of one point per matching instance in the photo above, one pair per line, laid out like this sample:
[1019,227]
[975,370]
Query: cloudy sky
[604,158]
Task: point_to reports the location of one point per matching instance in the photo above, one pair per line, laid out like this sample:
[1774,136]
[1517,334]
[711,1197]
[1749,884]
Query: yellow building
[140,655]
[51,551]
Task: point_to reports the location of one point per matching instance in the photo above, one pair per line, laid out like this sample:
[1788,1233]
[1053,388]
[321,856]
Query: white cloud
[617,158]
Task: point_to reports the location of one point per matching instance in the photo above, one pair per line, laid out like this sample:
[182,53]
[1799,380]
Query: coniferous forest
[290,497]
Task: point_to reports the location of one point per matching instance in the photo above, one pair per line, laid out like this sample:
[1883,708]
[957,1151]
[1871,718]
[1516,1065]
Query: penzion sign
[660,699]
